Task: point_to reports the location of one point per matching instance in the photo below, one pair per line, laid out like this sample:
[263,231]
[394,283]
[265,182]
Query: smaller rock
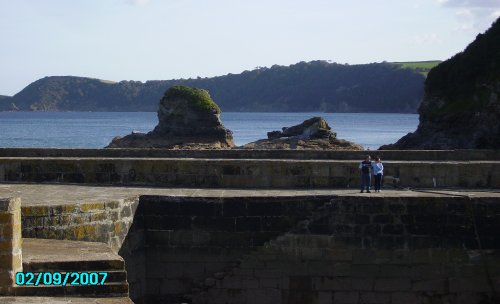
[312,134]
[315,127]
[274,134]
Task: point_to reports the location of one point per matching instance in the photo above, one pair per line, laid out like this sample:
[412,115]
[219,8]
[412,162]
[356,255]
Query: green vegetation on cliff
[420,66]
[199,99]
[303,87]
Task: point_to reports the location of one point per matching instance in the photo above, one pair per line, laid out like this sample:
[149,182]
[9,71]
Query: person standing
[365,167]
[378,173]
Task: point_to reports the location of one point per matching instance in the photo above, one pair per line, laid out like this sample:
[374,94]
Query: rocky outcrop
[312,134]
[461,106]
[188,118]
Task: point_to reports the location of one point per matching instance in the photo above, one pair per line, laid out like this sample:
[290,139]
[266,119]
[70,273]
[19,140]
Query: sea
[97,129]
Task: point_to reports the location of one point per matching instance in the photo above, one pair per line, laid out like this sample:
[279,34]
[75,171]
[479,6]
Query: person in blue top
[378,173]
[365,167]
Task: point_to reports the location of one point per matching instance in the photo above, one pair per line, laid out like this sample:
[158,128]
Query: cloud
[431,38]
[473,15]
[138,2]
[470,3]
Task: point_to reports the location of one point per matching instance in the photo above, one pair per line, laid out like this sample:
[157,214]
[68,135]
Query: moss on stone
[199,99]
[92,206]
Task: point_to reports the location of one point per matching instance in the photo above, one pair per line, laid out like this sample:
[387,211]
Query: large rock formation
[188,118]
[312,134]
[461,106]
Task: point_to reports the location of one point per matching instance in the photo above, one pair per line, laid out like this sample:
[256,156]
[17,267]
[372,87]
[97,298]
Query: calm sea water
[96,129]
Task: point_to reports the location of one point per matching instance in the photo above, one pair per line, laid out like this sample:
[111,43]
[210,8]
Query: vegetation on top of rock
[316,86]
[188,118]
[199,99]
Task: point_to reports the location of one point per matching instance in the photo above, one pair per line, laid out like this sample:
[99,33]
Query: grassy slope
[421,66]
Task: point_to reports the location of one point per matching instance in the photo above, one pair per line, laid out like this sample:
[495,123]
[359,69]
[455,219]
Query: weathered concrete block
[332,284]
[362,284]
[338,254]
[365,270]
[346,297]
[271,282]
[324,297]
[262,296]
[267,273]
[427,271]
[472,284]
[436,285]
[420,256]
[252,283]
[364,256]
[399,271]
[375,297]
[392,284]
[405,297]
[232,282]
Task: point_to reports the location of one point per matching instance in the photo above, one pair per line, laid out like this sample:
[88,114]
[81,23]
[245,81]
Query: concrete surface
[49,194]
[55,251]
[63,300]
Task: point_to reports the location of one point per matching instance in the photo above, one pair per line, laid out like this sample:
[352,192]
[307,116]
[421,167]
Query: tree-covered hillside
[465,81]
[461,105]
[312,86]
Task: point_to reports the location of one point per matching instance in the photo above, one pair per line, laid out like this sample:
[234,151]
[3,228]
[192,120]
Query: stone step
[65,300]
[41,255]
[74,266]
[63,255]
[106,290]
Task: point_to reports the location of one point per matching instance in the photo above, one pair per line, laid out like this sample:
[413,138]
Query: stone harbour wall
[411,222]
[296,249]
[366,250]
[10,243]
[244,173]
[112,222]
[191,239]
[413,155]
[321,250]
[106,222]
[316,270]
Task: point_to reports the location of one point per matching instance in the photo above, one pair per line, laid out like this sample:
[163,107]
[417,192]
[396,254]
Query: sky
[170,39]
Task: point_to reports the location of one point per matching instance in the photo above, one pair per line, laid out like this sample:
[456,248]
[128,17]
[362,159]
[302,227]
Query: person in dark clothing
[365,167]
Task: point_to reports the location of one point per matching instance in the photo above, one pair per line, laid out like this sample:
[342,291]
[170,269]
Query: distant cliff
[461,107]
[302,87]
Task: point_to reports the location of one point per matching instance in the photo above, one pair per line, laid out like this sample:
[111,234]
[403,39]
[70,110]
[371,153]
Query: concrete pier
[259,226]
